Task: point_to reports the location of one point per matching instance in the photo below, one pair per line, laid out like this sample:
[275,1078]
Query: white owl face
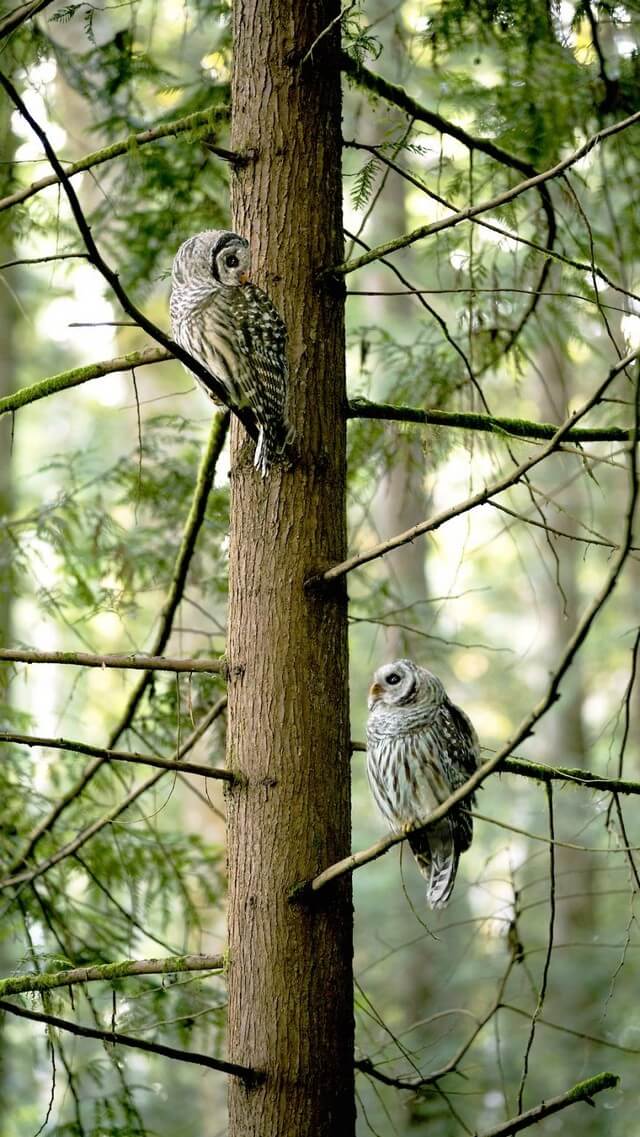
[215,256]
[404,684]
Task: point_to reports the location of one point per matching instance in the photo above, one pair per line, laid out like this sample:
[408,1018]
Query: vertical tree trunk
[290,982]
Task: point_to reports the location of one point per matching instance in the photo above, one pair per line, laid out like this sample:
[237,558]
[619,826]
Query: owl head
[404,684]
[214,257]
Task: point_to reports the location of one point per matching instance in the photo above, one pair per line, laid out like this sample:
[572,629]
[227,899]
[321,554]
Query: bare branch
[109,972]
[126,662]
[78,375]
[479,498]
[206,119]
[251,1077]
[107,755]
[582,1091]
[494,424]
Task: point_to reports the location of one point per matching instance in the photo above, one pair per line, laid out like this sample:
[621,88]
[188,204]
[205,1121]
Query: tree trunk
[290,980]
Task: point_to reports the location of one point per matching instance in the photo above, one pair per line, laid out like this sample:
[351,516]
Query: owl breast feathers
[420,748]
[231,327]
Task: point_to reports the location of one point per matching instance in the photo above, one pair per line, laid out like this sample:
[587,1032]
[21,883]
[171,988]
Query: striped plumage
[421,747]
[232,328]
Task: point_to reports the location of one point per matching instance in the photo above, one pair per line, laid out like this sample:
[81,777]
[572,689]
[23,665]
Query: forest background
[510,305]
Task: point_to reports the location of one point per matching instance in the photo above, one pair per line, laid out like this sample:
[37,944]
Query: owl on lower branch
[420,748]
[231,327]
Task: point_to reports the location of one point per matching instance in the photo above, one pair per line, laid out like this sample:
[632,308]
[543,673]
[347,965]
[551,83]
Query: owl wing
[262,343]
[437,849]
[460,756]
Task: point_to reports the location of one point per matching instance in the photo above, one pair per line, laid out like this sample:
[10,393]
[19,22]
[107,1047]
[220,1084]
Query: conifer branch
[25,875]
[582,1091]
[200,119]
[193,524]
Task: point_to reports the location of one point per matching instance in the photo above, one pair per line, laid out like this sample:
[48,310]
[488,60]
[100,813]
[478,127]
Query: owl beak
[243,278]
[375,691]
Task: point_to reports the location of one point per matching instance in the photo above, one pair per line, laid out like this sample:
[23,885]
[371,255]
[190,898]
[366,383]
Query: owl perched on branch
[230,326]
[420,748]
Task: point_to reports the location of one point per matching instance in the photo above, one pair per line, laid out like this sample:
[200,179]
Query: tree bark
[290,974]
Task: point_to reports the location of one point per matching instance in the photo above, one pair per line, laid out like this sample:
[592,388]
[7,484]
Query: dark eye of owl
[231,261]
[393,678]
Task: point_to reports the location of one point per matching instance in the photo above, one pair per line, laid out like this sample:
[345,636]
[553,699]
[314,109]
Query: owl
[420,748]
[232,328]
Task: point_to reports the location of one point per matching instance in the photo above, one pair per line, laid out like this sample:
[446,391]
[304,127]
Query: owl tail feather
[437,859]
[272,443]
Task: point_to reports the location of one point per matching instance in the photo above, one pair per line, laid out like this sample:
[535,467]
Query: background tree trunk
[290,982]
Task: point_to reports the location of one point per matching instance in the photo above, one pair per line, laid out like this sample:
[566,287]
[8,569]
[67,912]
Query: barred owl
[232,328]
[420,748]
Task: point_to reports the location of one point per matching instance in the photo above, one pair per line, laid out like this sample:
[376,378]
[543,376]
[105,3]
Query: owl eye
[393,678]
[231,261]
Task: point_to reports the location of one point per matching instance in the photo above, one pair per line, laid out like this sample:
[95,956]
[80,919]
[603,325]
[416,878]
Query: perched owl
[232,328]
[421,747]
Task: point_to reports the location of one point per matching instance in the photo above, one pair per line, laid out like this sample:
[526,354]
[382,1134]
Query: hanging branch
[96,259]
[479,498]
[206,118]
[109,972]
[77,375]
[107,755]
[251,1077]
[302,891]
[124,662]
[493,424]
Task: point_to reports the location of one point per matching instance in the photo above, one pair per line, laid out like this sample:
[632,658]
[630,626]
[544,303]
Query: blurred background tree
[114,520]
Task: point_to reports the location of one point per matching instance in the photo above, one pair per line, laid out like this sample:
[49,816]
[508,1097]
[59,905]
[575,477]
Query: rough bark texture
[290,984]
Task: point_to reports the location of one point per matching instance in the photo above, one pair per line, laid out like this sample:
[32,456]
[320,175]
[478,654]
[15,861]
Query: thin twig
[549,950]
